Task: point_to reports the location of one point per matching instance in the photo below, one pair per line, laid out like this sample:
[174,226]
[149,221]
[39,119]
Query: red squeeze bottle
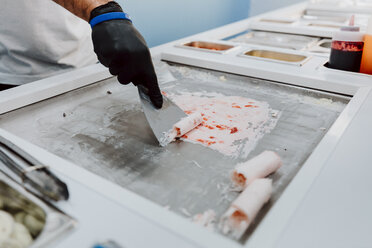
[347,48]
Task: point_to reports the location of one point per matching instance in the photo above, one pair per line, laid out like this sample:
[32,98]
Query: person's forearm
[81,8]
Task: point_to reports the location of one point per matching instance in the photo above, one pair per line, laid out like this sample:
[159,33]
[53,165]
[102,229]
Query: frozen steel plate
[102,128]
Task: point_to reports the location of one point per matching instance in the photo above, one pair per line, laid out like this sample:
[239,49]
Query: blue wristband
[109,16]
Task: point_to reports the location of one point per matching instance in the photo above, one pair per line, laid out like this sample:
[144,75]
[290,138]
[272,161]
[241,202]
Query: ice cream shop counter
[279,154]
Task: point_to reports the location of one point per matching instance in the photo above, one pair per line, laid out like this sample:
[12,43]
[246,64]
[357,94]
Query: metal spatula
[29,172]
[161,120]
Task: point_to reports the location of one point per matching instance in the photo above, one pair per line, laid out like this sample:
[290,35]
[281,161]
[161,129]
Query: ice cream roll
[188,123]
[6,225]
[185,125]
[258,167]
[245,208]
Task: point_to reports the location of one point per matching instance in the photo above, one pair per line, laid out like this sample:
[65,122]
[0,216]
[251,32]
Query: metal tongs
[26,170]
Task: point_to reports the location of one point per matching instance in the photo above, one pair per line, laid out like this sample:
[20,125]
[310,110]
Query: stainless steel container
[281,57]
[325,44]
[290,41]
[207,46]
[322,47]
[52,223]
[277,21]
[324,25]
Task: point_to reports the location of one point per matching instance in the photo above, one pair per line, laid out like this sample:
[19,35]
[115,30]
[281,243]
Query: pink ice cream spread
[231,125]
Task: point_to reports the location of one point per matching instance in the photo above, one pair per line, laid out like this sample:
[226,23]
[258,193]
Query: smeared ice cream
[206,219]
[231,125]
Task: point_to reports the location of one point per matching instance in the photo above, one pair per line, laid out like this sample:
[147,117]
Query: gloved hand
[121,48]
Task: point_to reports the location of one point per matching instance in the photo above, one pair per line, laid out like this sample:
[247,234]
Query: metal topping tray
[207,46]
[324,25]
[277,21]
[325,44]
[102,128]
[342,7]
[333,18]
[290,41]
[309,22]
[45,223]
[274,56]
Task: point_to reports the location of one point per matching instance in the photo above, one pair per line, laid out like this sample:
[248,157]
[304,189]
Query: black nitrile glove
[121,48]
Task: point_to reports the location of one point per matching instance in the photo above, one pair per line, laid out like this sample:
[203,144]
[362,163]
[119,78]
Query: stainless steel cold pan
[290,41]
[274,56]
[207,46]
[108,135]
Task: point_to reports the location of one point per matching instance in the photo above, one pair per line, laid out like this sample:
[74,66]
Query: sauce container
[347,48]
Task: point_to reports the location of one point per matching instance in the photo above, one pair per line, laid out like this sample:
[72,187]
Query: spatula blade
[161,120]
